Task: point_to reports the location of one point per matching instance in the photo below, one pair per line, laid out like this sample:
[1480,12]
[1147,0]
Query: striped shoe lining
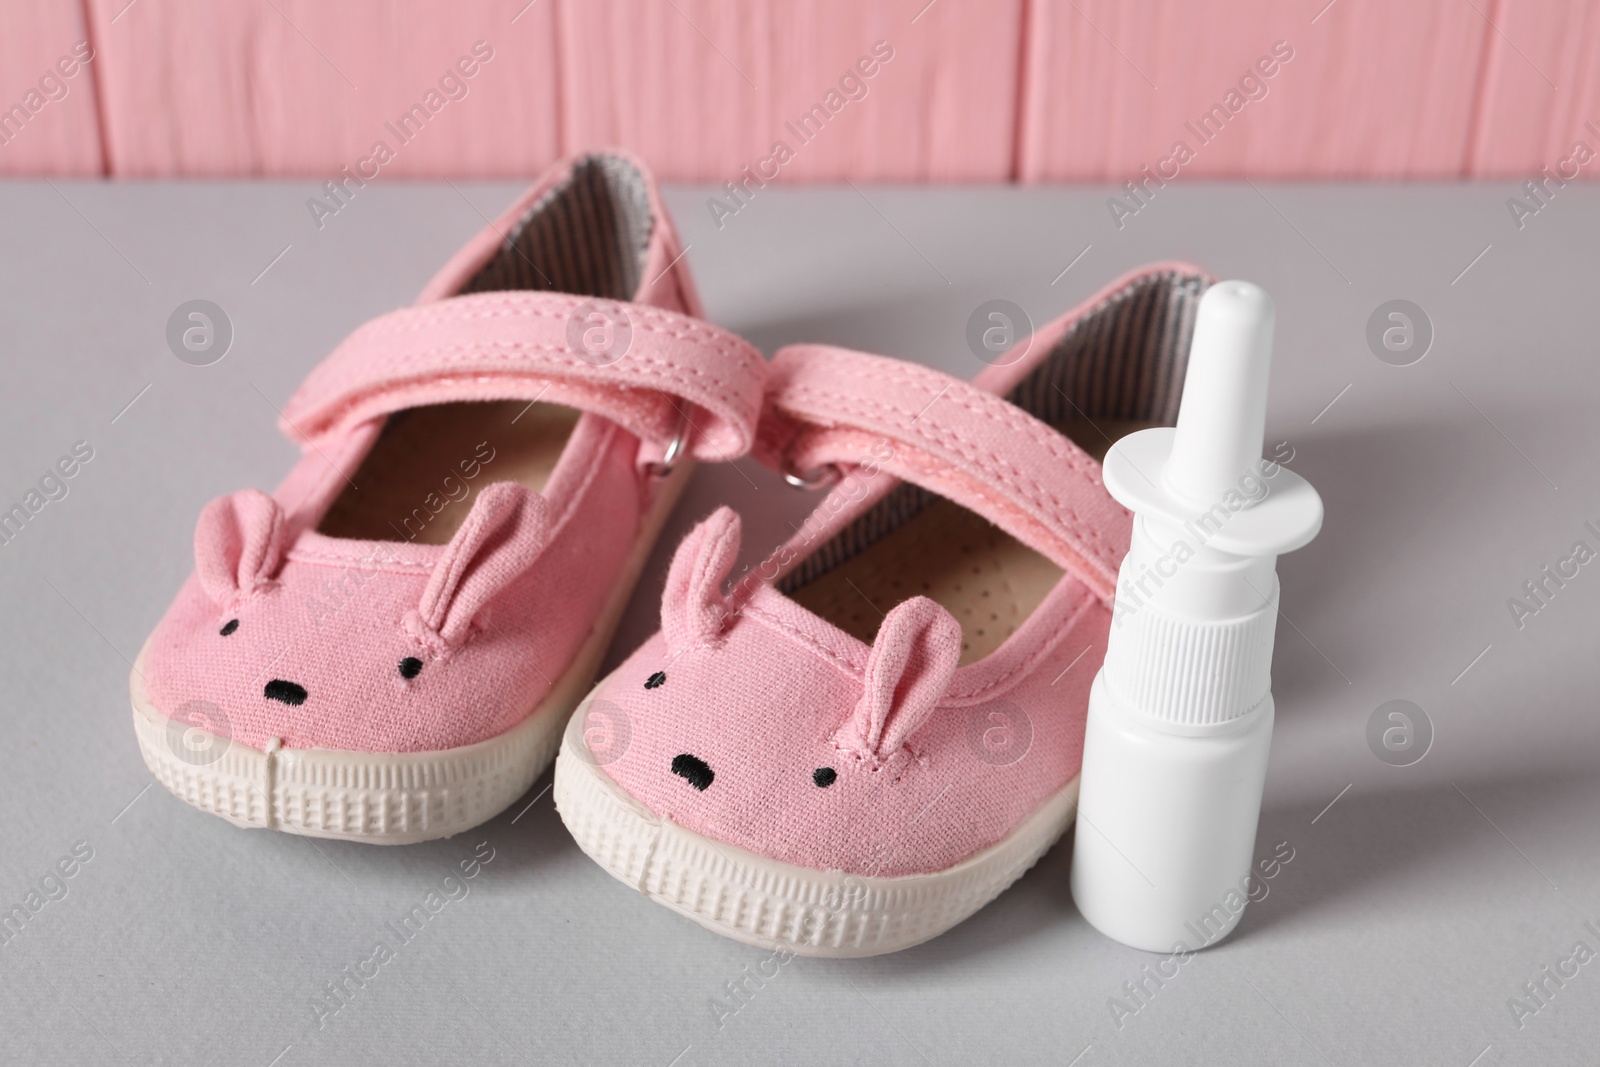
[1123,360]
[900,505]
[587,236]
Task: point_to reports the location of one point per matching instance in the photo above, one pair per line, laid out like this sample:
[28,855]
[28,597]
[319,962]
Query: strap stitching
[743,412]
[739,370]
[720,341]
[976,401]
[1031,490]
[416,319]
[508,349]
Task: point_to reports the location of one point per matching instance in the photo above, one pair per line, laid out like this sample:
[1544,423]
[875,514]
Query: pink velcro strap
[655,372]
[833,406]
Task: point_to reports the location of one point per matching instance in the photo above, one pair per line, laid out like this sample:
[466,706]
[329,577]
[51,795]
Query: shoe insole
[987,579]
[425,470]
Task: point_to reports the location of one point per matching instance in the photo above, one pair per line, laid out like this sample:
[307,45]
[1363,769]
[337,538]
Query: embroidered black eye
[824,776]
[655,680]
[693,770]
[410,667]
[290,693]
[228,627]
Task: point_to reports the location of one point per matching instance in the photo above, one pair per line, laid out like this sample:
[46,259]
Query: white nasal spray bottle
[1180,715]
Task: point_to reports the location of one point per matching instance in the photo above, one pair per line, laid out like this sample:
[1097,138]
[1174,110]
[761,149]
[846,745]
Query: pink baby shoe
[878,728]
[386,648]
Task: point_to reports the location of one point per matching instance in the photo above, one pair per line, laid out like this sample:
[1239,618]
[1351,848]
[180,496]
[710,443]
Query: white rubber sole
[771,904]
[385,798]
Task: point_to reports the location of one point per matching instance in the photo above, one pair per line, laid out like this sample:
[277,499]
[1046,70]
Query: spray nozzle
[1223,416]
[1213,457]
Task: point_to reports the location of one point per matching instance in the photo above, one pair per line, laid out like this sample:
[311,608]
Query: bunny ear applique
[908,670]
[238,545]
[503,534]
[694,609]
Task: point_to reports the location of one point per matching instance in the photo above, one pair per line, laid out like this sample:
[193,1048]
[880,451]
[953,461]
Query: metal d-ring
[816,478]
[662,467]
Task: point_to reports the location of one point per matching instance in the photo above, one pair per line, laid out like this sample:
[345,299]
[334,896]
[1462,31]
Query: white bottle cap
[1191,639]
[1180,476]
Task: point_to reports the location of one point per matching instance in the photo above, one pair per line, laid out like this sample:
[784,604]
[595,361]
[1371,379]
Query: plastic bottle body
[1167,823]
[1180,715]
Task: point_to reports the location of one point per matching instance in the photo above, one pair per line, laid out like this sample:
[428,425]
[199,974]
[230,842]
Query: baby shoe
[387,647]
[879,726]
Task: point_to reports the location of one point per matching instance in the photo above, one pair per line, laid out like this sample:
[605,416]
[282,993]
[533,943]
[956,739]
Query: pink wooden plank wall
[1542,91]
[705,87]
[307,86]
[57,132]
[1371,88]
[974,90]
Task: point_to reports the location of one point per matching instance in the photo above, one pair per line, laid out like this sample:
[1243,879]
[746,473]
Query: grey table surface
[1419,901]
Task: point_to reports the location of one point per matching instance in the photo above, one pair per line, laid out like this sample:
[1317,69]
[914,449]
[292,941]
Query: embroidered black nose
[288,692]
[693,770]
